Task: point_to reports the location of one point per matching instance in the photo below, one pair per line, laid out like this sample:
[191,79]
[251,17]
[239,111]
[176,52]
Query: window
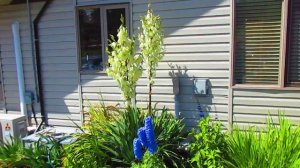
[96,25]
[293,77]
[266,38]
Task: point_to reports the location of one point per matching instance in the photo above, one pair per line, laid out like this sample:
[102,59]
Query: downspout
[19,63]
[38,61]
[33,51]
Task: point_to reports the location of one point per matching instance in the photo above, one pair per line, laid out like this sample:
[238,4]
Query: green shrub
[112,143]
[276,147]
[46,152]
[108,141]
[169,133]
[208,146]
[150,161]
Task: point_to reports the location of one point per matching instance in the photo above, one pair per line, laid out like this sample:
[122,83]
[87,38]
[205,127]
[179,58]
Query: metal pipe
[33,51]
[19,63]
[2,85]
[38,59]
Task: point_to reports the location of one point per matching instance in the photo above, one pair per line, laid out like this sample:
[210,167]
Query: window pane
[90,39]
[257,41]
[113,21]
[294,52]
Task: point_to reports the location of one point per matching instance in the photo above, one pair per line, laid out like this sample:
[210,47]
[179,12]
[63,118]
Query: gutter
[33,51]
[38,62]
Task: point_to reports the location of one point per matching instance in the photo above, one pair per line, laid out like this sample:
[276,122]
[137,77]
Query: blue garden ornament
[137,149]
[152,146]
[142,136]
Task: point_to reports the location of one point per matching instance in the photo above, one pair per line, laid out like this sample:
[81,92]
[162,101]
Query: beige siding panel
[196,39]
[179,5]
[253,106]
[59,63]
[184,13]
[96,2]
[187,22]
[9,14]
[197,46]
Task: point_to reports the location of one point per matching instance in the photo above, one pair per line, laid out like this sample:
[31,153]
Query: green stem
[150,91]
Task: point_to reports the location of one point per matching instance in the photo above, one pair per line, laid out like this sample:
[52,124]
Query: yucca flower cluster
[146,139]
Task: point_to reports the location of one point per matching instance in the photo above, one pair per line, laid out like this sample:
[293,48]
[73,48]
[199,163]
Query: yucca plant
[169,133]
[86,152]
[109,142]
[278,146]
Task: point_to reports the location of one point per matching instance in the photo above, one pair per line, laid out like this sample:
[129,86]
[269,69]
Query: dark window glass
[257,41]
[294,46]
[90,39]
[114,21]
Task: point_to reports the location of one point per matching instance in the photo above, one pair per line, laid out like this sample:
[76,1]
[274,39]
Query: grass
[278,146]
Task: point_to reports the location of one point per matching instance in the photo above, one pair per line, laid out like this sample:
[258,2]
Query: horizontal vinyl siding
[9,14]
[57,35]
[96,2]
[98,89]
[254,106]
[197,46]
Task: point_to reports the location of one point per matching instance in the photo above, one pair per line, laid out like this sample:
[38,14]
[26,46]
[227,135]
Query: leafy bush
[169,133]
[150,161]
[208,146]
[276,147]
[108,140]
[46,152]
[111,144]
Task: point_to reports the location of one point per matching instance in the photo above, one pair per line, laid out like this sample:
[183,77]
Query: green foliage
[169,133]
[151,46]
[276,147]
[208,145]
[46,152]
[85,152]
[150,161]
[124,65]
[88,150]
[109,139]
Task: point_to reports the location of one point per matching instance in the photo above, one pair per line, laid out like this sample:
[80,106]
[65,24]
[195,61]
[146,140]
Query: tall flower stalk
[125,66]
[151,46]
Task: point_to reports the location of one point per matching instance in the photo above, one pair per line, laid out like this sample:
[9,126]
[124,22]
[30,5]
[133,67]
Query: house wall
[253,106]
[57,38]
[9,14]
[197,39]
[57,35]
[197,46]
